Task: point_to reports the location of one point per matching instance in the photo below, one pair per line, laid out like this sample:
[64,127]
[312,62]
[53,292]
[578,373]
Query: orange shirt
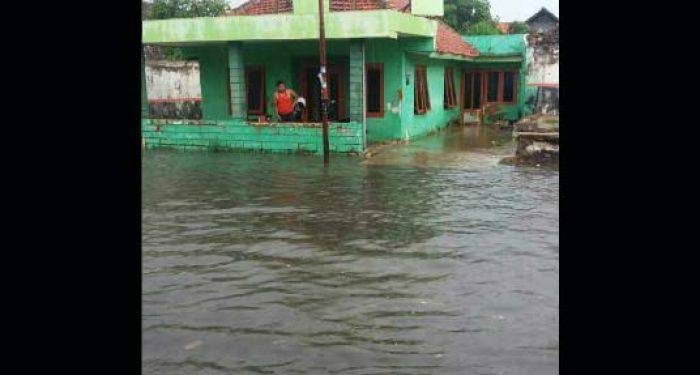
[285,105]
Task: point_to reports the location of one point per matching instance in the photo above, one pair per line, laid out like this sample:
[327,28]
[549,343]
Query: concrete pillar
[237,80]
[357,81]
[144,91]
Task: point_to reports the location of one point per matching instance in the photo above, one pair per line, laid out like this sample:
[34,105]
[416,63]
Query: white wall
[172,80]
[543,66]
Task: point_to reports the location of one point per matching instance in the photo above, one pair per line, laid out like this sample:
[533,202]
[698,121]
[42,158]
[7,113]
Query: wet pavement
[429,258]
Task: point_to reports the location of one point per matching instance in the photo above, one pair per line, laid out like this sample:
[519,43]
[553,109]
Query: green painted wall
[437,117]
[498,45]
[236,81]
[356,102]
[309,6]
[387,52]
[339,25]
[239,135]
[282,61]
[399,121]
[213,78]
[428,7]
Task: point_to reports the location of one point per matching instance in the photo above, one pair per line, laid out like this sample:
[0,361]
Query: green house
[394,73]
[498,54]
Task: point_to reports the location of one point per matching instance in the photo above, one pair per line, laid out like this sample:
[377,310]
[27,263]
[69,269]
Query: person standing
[284,102]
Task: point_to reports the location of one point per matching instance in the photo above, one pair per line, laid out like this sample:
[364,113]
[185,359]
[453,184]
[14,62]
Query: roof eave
[339,25]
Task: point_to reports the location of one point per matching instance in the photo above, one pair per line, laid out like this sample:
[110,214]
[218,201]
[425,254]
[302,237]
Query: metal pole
[324,84]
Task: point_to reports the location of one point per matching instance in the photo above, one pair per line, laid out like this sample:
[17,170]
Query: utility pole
[324,84]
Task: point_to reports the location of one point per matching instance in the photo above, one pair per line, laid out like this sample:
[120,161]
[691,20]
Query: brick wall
[239,135]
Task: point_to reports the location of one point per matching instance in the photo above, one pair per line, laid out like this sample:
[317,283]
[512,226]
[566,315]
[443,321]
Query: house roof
[256,7]
[449,41]
[498,45]
[543,12]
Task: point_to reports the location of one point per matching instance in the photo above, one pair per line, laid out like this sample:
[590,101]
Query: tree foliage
[463,14]
[485,27]
[518,27]
[162,9]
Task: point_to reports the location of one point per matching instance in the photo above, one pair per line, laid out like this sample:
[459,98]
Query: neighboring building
[501,58]
[394,71]
[543,70]
[543,62]
[542,21]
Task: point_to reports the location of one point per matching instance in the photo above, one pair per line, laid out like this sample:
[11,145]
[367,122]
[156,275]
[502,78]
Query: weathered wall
[543,71]
[173,80]
[239,135]
[173,89]
[541,24]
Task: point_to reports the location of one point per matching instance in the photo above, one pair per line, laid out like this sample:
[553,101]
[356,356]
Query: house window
[450,95]
[499,86]
[492,86]
[375,90]
[255,89]
[509,87]
[421,96]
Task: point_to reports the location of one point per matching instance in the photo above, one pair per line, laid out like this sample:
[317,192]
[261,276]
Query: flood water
[430,258]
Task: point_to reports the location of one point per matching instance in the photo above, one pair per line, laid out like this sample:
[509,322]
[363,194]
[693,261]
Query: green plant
[163,9]
[461,14]
[486,27]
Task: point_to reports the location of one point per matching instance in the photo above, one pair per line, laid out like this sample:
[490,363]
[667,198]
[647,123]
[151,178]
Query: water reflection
[428,258]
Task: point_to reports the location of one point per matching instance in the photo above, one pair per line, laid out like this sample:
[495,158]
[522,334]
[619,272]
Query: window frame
[380,67]
[450,95]
[422,72]
[483,89]
[260,110]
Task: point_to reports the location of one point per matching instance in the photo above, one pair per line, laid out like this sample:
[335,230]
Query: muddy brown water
[430,258]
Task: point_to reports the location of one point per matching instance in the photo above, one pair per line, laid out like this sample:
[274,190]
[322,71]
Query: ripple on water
[429,258]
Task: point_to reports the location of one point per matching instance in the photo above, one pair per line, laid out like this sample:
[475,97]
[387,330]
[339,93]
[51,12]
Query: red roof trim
[449,41]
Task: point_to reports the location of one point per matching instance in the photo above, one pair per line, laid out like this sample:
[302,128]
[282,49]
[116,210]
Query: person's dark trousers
[287,117]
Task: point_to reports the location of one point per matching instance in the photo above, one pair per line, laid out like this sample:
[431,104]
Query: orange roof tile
[449,41]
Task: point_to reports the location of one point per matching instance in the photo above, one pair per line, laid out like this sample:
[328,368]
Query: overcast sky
[506,10]
[520,10]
